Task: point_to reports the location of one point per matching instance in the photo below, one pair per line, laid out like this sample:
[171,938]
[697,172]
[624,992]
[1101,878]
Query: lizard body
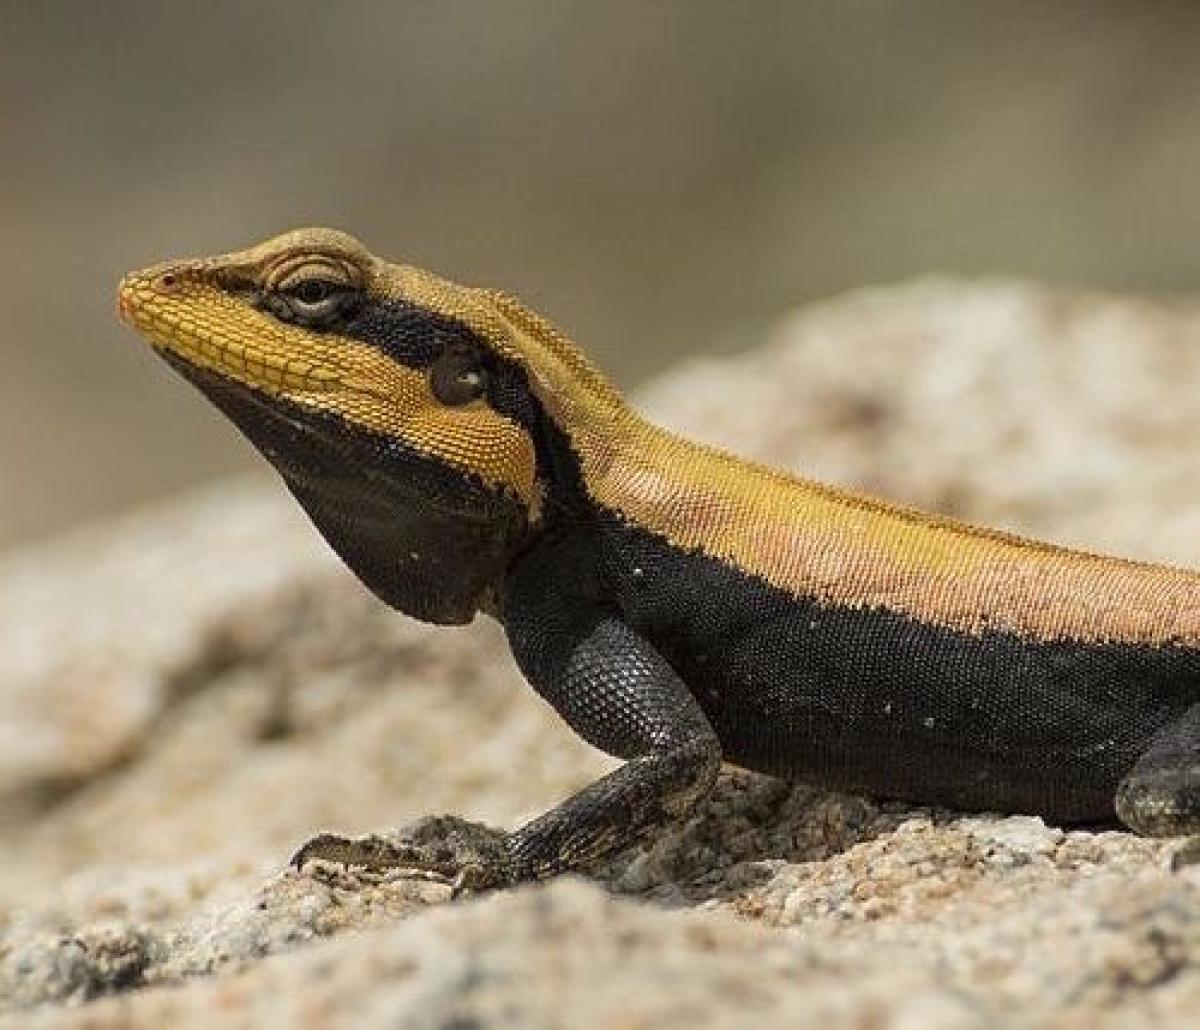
[678,606]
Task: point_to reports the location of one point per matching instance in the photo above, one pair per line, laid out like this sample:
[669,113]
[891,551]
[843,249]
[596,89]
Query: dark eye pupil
[313,291]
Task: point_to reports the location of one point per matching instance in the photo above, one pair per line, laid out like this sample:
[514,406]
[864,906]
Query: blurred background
[661,178]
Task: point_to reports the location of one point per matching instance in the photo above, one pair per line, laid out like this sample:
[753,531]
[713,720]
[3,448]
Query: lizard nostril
[167,280]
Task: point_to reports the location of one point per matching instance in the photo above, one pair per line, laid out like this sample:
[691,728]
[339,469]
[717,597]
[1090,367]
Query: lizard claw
[468,856]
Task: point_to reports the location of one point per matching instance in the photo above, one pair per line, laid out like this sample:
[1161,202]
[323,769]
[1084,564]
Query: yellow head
[402,410]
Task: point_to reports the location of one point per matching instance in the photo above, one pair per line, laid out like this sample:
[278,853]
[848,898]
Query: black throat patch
[430,540]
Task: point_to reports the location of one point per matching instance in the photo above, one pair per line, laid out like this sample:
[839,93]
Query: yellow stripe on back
[842,549]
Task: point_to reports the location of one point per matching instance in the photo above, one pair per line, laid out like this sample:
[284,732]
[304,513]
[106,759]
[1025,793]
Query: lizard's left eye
[313,300]
[310,290]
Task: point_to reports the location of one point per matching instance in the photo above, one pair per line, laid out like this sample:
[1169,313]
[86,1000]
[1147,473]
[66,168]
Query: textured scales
[676,604]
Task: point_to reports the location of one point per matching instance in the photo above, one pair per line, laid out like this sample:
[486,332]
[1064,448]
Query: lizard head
[401,410]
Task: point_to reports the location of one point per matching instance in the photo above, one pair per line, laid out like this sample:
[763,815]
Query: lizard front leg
[616,692]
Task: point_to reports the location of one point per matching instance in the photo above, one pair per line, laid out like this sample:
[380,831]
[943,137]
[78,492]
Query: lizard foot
[469,856]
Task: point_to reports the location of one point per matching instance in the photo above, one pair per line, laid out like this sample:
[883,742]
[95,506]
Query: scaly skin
[678,606]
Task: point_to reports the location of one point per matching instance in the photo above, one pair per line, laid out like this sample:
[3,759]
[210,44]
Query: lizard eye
[456,378]
[311,290]
[313,301]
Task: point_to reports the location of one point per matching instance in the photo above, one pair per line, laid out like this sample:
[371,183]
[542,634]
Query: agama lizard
[678,606]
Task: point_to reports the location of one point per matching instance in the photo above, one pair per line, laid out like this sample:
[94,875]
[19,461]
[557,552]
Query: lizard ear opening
[456,377]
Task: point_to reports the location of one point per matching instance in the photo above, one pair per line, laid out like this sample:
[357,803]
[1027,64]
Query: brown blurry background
[662,178]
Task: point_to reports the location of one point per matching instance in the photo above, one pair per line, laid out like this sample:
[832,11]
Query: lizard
[679,607]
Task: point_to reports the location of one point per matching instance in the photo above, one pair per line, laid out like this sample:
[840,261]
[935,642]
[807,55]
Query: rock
[550,957]
[1016,840]
[187,694]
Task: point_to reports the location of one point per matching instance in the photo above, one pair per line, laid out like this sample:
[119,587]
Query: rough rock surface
[185,695]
